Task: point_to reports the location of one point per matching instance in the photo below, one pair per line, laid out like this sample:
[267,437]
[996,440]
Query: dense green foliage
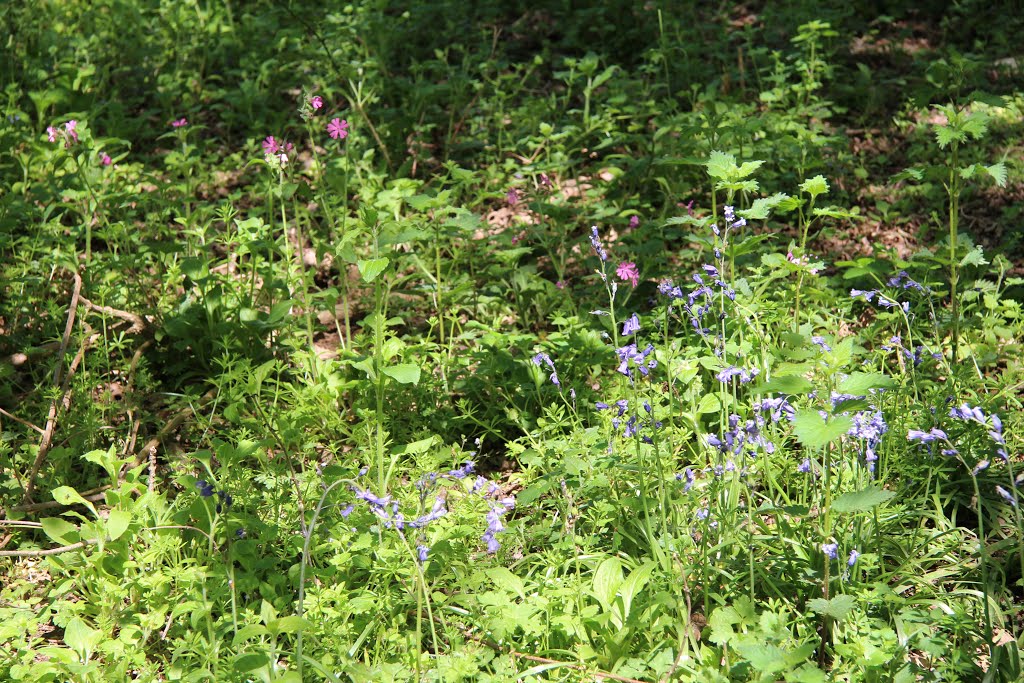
[563,341]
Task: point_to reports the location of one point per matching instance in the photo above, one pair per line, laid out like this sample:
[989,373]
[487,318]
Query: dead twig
[48,551]
[138,324]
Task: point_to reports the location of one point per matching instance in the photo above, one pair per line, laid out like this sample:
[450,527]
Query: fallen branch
[138,324]
[48,551]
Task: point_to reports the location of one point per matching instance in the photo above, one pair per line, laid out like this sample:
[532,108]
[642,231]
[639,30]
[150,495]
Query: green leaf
[507,581]
[404,373]
[858,383]
[947,134]
[975,257]
[369,270]
[607,580]
[60,530]
[117,523]
[763,657]
[908,174]
[861,501]
[813,432]
[251,662]
[785,384]
[814,186]
[81,638]
[761,208]
[289,624]
[838,607]
[65,495]
[998,173]
[721,165]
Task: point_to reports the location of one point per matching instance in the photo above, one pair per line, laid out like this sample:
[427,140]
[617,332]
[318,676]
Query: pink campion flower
[634,221]
[627,271]
[284,159]
[270,145]
[560,284]
[512,197]
[316,101]
[51,134]
[105,159]
[338,129]
[70,127]
[179,123]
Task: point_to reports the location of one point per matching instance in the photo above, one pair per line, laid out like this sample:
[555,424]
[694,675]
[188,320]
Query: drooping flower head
[338,129]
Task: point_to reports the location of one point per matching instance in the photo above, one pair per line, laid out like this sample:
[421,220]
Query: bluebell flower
[830,549]
[422,552]
[347,510]
[546,359]
[595,242]
[867,295]
[688,476]
[853,558]
[205,488]
[925,437]
[731,371]
[631,326]
[820,341]
[601,405]
[1006,495]
[805,466]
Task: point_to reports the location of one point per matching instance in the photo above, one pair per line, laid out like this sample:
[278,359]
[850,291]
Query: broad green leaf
[785,384]
[813,432]
[65,495]
[975,257]
[416,447]
[404,373]
[251,661]
[289,624]
[947,134]
[838,607]
[60,530]
[721,165]
[858,383]
[861,501]
[607,580]
[814,186]
[763,657]
[908,174]
[747,168]
[117,523]
[709,403]
[507,581]
[633,584]
[369,270]
[81,638]
[761,208]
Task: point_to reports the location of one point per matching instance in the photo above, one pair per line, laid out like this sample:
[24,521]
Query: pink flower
[105,159]
[627,271]
[70,127]
[316,101]
[512,197]
[270,145]
[338,129]
[51,133]
[179,123]
[634,221]
[560,284]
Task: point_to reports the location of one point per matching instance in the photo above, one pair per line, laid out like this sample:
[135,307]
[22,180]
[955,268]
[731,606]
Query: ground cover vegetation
[496,341]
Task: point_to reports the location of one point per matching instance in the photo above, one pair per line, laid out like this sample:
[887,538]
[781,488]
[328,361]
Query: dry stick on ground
[51,418]
[48,551]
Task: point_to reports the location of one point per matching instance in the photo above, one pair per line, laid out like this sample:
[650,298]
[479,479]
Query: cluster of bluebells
[634,424]
[916,356]
[389,510]
[743,438]
[992,423]
[868,427]
[745,376]
[206,490]
[700,300]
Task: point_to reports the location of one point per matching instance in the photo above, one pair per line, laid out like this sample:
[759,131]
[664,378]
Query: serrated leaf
[815,186]
[405,373]
[998,173]
[975,257]
[761,208]
[369,270]
[861,501]
[947,134]
[747,168]
[117,523]
[785,384]
[859,383]
[908,174]
[720,165]
[60,530]
[507,581]
[763,657]
[813,432]
[838,607]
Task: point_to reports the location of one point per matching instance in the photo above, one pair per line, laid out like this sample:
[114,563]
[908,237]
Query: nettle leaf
[814,186]
[861,501]
[747,168]
[721,165]
[763,657]
[911,173]
[838,607]
[785,384]
[369,270]
[975,257]
[998,173]
[760,208]
[947,134]
[858,383]
[813,432]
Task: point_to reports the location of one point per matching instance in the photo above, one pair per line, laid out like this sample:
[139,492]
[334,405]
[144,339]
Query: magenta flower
[105,159]
[179,123]
[270,145]
[51,133]
[634,221]
[316,101]
[627,271]
[70,127]
[512,197]
[338,129]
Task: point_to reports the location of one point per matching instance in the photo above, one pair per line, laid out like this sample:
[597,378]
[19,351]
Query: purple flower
[820,342]
[105,159]
[925,437]
[270,145]
[179,123]
[805,466]
[205,488]
[512,197]
[51,134]
[421,552]
[732,371]
[687,475]
[601,405]
[1006,495]
[634,221]
[316,102]
[830,549]
[546,359]
[631,326]
[867,295]
[347,510]
[338,129]
[595,242]
[853,558]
